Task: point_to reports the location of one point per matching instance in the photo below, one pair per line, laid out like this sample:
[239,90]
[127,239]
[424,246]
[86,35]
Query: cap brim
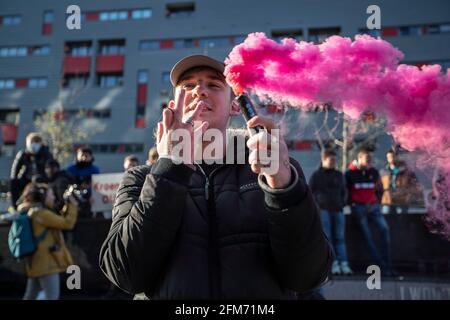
[193,61]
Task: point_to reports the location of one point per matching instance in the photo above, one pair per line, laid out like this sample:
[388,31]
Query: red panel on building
[140,123]
[9,133]
[142,95]
[21,83]
[92,16]
[47,28]
[108,64]
[303,145]
[231,40]
[389,32]
[130,14]
[77,65]
[166,44]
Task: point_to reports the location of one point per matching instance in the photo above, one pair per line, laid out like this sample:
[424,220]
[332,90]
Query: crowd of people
[53,198]
[368,194]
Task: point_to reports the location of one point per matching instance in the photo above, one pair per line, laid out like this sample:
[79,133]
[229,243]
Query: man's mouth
[202,104]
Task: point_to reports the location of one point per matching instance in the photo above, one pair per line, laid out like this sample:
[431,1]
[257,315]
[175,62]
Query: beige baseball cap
[193,61]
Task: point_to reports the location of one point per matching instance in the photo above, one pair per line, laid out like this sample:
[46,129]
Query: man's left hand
[272,144]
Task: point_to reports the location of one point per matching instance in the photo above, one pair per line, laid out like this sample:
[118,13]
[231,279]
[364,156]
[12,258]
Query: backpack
[21,240]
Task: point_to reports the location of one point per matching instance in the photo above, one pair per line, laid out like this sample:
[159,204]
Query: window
[214,42]
[142,76]
[296,34]
[10,84]
[104,16]
[112,47]
[48,16]
[7,84]
[165,77]
[75,81]
[117,148]
[148,45]
[79,48]
[37,83]
[444,27]
[141,14]
[320,34]
[40,50]
[12,20]
[415,30]
[13,52]
[123,15]
[22,51]
[180,10]
[113,15]
[433,29]
[239,39]
[110,80]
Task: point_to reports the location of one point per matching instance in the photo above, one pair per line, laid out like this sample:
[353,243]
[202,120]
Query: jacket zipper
[213,245]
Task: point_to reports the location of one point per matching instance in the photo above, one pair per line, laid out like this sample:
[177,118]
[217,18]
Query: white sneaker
[335,268]
[345,268]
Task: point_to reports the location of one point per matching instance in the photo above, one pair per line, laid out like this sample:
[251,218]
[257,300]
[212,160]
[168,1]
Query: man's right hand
[172,120]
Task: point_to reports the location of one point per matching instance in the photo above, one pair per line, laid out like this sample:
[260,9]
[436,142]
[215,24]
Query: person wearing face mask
[29,165]
[52,256]
[82,171]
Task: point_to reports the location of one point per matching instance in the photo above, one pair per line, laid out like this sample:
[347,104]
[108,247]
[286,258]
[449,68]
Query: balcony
[77,65]
[110,63]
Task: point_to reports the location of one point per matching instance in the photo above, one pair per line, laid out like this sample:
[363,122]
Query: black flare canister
[248,110]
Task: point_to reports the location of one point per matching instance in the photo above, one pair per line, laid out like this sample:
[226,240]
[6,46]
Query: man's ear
[235,108]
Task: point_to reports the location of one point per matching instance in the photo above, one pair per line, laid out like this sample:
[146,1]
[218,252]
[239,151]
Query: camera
[81,195]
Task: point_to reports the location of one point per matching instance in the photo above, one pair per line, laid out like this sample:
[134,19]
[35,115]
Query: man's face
[364,159]
[128,164]
[390,158]
[210,90]
[50,171]
[329,162]
[83,157]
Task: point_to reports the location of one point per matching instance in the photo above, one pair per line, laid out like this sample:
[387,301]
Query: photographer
[58,180]
[52,256]
[82,170]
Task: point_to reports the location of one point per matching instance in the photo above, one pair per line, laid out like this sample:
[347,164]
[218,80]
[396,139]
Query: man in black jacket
[28,165]
[203,230]
[328,187]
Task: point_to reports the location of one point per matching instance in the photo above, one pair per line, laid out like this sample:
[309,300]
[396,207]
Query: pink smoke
[355,76]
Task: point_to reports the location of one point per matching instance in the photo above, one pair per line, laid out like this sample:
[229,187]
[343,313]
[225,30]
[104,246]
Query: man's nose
[200,90]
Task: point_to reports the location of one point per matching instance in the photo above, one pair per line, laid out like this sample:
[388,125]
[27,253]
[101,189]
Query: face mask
[83,164]
[34,147]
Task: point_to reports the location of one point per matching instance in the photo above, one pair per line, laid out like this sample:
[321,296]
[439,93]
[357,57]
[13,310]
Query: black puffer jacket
[328,188]
[177,235]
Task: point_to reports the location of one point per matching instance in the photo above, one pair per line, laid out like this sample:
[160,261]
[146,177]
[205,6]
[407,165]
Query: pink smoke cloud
[354,76]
